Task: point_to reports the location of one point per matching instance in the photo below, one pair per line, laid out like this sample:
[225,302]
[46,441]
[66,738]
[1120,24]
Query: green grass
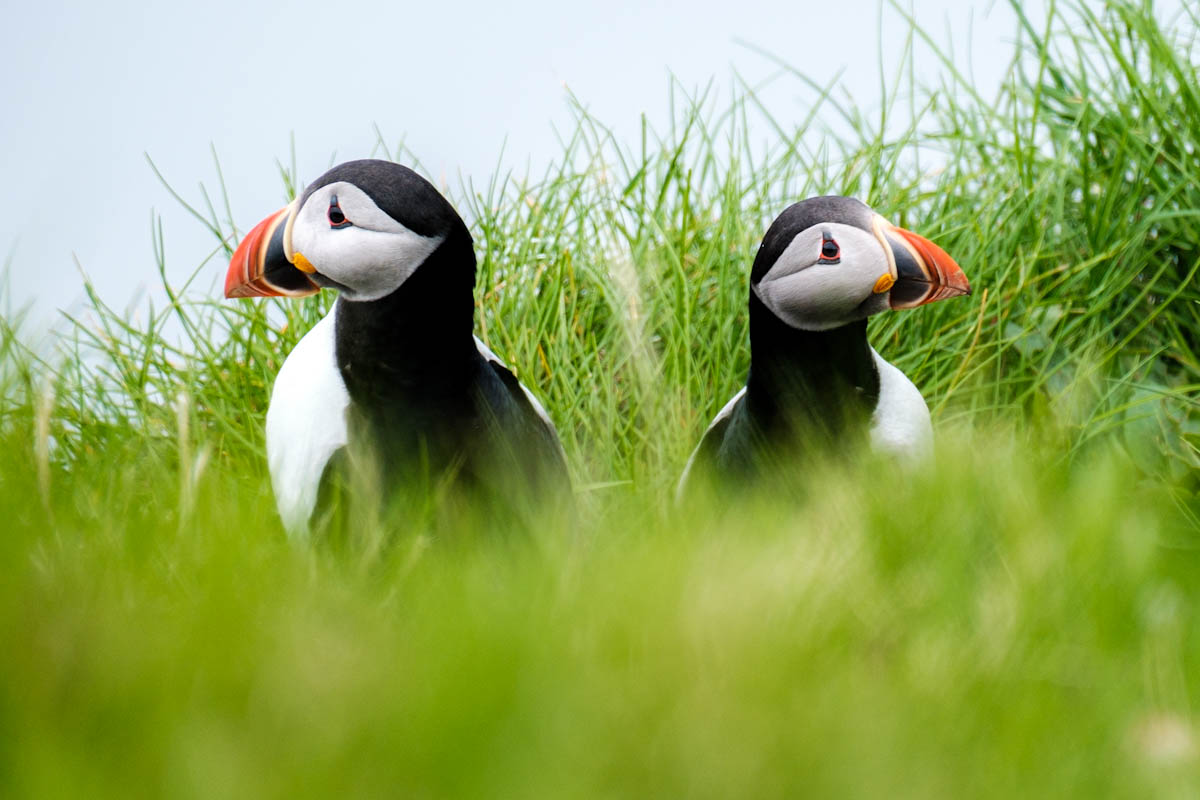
[1020,617]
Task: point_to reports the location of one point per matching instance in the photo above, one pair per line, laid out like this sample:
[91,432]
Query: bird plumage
[393,376]
[815,384]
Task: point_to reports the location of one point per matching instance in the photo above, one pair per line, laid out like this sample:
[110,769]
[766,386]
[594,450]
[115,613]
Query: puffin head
[829,261]
[363,228]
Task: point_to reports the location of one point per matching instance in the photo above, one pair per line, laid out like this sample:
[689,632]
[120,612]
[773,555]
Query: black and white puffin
[394,366]
[824,266]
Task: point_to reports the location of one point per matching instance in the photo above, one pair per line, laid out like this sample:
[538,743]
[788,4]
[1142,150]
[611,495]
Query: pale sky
[86,88]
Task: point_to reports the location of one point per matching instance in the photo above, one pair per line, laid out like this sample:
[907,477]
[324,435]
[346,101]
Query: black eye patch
[336,218]
[830,252]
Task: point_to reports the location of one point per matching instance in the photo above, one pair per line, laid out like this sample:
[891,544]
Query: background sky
[86,89]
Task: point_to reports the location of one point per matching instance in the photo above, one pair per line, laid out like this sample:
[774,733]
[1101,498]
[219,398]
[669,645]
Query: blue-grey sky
[87,88]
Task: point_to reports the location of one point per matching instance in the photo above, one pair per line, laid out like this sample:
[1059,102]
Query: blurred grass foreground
[1020,618]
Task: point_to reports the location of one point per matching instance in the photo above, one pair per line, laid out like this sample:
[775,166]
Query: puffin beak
[924,271]
[260,266]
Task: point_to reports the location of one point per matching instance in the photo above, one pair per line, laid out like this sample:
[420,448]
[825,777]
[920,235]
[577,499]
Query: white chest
[900,425]
[306,423]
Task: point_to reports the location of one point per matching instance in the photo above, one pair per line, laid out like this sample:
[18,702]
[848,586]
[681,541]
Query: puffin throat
[419,337]
[820,378]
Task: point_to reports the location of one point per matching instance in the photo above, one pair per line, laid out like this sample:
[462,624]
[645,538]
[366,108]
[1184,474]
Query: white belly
[306,423]
[900,425]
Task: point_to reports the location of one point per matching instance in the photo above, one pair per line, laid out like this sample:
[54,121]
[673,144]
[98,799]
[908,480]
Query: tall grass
[1022,615]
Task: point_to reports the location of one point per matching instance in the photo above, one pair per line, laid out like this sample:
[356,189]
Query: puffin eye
[830,252]
[336,218]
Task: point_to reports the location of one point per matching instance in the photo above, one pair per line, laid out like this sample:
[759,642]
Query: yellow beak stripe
[884,283]
[304,265]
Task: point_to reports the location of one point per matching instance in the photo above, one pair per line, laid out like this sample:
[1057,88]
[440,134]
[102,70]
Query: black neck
[418,338]
[823,379]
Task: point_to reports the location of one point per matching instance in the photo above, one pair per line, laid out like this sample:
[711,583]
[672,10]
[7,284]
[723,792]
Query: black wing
[706,456]
[532,432]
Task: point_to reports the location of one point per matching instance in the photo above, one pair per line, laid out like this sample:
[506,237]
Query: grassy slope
[1022,615]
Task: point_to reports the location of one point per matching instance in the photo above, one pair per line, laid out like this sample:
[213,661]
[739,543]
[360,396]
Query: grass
[1023,616]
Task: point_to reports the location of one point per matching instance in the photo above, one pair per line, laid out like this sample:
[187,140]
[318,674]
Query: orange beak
[260,266]
[924,271]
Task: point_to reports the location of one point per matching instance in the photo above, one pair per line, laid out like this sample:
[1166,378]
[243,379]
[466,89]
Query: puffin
[393,376]
[815,384]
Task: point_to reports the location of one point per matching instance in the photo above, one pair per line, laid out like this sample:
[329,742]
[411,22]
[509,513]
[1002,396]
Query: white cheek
[371,264]
[816,298]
